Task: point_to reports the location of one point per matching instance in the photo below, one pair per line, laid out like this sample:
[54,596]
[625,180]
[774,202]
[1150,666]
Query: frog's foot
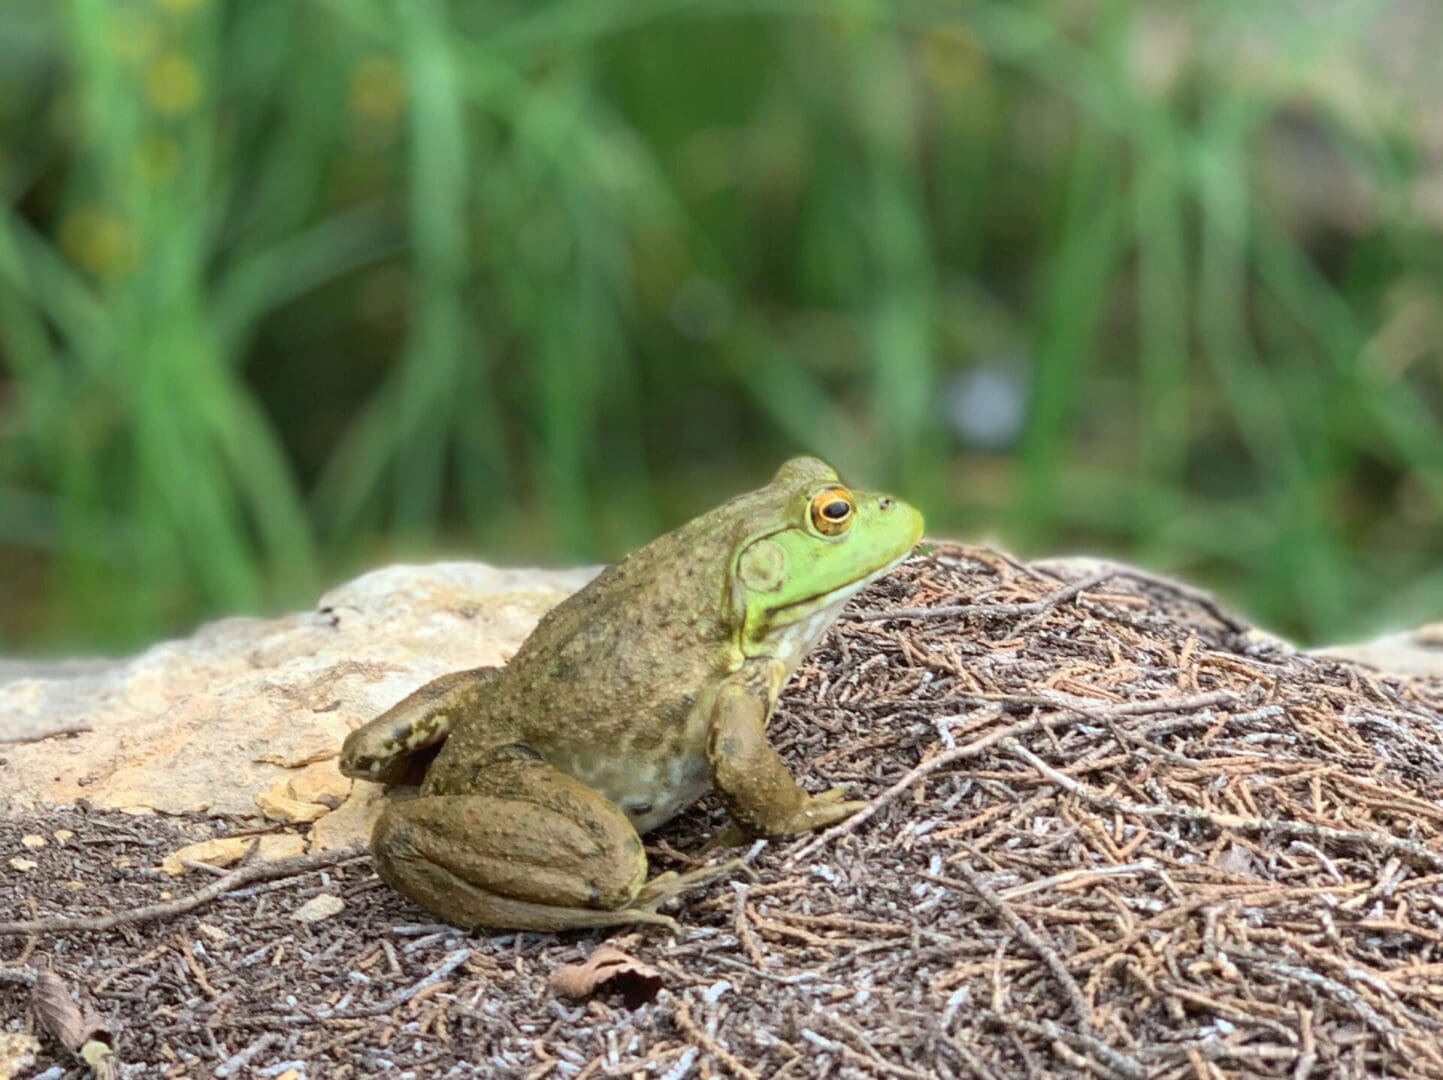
[392,747]
[665,886]
[818,812]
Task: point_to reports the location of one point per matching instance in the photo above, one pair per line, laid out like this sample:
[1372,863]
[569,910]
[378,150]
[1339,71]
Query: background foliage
[291,288]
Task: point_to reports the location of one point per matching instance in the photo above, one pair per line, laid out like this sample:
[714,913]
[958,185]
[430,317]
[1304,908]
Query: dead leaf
[1236,859]
[608,968]
[80,1031]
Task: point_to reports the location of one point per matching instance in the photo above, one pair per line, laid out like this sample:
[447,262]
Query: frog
[630,700]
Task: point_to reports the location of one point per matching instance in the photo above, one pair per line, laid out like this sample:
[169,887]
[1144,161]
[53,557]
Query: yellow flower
[172,84]
[97,241]
[952,58]
[378,90]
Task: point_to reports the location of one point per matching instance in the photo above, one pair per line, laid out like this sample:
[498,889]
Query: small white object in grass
[281,1067]
[819,1040]
[34,840]
[683,1065]
[318,907]
[954,1002]
[825,873]
[23,865]
[715,991]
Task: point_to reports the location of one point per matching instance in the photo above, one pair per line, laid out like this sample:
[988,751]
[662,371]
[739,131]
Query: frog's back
[633,646]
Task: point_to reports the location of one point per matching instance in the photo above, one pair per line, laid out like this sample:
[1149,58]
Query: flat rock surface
[245,717]
[1113,831]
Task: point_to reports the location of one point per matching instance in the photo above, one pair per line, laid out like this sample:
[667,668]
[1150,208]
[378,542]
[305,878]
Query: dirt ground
[1112,832]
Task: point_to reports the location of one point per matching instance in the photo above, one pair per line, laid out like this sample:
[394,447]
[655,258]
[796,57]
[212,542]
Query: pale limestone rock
[351,822]
[1416,652]
[222,851]
[229,850]
[246,710]
[319,907]
[305,794]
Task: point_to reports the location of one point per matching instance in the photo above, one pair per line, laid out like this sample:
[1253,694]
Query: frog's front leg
[751,779]
[383,749]
[524,847]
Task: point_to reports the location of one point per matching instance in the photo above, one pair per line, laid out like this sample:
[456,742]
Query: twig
[1087,873]
[1337,991]
[1255,826]
[1116,1059]
[238,1061]
[986,741]
[1018,925]
[693,1031]
[1032,607]
[442,971]
[281,868]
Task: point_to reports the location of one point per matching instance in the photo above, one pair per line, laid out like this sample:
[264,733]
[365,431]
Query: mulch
[1113,832]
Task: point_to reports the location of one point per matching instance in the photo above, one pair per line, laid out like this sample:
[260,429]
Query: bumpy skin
[630,700]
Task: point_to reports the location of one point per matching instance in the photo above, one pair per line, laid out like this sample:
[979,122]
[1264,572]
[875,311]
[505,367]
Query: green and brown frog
[629,701]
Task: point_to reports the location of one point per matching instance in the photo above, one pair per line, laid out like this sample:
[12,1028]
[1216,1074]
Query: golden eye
[832,510]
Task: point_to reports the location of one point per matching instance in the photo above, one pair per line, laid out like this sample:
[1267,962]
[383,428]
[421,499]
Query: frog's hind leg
[525,847]
[393,745]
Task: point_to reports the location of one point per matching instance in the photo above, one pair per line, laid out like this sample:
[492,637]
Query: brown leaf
[81,1032]
[608,968]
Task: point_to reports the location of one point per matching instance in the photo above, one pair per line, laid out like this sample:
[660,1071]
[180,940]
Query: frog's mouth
[807,605]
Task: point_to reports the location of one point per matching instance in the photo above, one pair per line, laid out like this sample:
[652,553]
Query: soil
[1113,832]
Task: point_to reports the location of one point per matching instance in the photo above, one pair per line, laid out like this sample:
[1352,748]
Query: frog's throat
[797,626]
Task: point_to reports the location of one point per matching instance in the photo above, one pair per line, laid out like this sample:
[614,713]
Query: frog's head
[810,543]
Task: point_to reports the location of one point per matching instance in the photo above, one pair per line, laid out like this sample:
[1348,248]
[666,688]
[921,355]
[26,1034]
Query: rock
[1417,653]
[247,715]
[351,822]
[224,851]
[319,907]
[229,850]
[305,794]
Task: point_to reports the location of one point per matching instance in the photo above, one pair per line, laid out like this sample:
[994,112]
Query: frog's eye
[832,510]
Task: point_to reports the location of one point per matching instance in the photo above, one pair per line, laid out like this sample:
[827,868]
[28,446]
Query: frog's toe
[666,886]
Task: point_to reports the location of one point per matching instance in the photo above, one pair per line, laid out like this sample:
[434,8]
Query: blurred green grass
[292,288]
